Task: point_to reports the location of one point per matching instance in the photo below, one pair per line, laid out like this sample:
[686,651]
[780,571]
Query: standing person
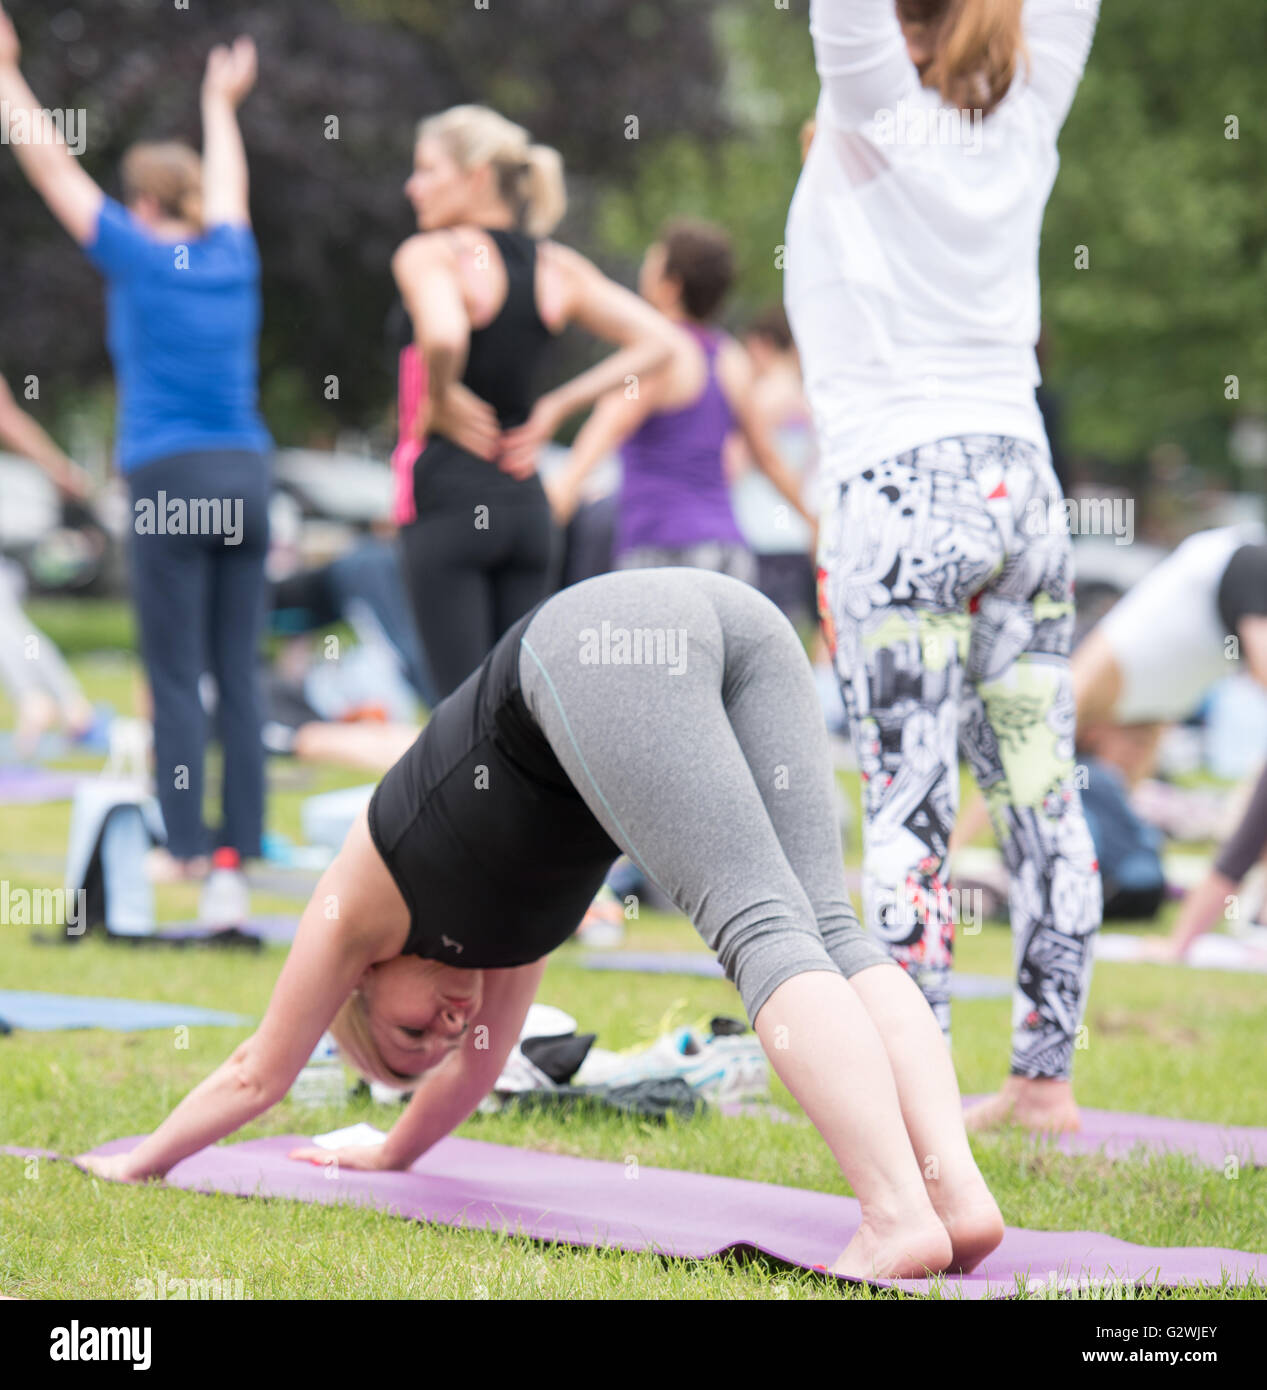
[183,310]
[946,576]
[454,888]
[486,295]
[674,506]
[780,539]
[44,691]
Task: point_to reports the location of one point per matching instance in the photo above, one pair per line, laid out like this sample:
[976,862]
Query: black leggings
[199,537]
[468,583]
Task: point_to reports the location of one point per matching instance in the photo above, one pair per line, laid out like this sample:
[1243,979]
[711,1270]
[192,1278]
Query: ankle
[900,1212]
[1039,1090]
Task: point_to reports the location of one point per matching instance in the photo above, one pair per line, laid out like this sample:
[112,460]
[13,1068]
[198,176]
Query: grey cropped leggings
[682,706]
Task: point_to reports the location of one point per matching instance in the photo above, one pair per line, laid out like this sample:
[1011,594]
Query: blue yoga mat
[696,963]
[31,1009]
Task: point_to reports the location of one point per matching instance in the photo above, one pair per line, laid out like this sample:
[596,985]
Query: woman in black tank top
[652,713]
[479,287]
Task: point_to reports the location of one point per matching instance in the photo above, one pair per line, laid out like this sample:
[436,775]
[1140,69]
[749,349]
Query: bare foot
[1041,1104]
[972,1219]
[912,1250]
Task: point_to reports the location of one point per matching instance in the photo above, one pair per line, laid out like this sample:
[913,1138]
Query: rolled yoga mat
[39,1012]
[581,1201]
[962,986]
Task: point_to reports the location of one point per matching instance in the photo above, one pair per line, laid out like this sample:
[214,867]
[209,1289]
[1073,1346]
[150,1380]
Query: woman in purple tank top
[671,427]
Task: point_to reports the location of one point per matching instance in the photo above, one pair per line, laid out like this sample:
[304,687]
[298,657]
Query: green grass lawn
[1160,1041]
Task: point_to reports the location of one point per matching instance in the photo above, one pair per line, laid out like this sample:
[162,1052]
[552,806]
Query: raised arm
[23,434]
[330,953]
[646,341]
[1058,34]
[861,57]
[229,77]
[72,196]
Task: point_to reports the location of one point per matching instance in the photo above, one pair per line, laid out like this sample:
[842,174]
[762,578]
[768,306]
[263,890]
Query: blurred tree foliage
[1172,213]
[328,212]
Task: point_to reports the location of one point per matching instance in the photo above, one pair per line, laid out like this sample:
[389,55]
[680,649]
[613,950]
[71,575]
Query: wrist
[132,1171]
[393,1159]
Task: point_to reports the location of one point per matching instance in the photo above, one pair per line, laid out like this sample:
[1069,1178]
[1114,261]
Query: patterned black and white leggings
[946,592]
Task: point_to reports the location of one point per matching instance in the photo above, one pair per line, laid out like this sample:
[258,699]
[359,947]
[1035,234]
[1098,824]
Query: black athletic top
[490,844]
[1243,588]
[501,368]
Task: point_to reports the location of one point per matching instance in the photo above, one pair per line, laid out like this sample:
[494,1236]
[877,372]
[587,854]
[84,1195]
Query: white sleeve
[861,58]
[1058,34]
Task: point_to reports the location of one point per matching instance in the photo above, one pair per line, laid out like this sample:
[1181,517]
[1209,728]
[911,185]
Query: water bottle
[321,1081]
[226,900]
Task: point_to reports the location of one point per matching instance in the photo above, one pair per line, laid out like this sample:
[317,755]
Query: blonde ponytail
[545,194]
[977,46]
[529,177]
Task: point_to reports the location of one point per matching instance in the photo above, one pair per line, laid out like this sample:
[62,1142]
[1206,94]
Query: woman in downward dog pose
[425,940]
[946,574]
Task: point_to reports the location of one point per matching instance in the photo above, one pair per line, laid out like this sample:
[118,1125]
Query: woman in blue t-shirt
[182,276]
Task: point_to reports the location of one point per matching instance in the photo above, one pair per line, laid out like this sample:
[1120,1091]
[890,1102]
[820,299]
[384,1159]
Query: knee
[852,949]
[760,951]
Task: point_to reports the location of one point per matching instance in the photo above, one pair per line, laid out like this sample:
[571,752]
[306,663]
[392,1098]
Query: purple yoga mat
[33,786]
[1117,1136]
[580,1201]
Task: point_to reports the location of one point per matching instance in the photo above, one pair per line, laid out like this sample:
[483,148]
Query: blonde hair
[351,1031]
[529,177]
[170,173]
[977,46]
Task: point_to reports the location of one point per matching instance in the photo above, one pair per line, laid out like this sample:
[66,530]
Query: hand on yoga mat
[369,1157]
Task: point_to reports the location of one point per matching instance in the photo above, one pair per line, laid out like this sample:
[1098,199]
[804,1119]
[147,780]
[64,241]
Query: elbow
[252,1083]
[661,346]
[444,354]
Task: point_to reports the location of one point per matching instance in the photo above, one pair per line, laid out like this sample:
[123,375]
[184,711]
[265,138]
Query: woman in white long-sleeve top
[946,581]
